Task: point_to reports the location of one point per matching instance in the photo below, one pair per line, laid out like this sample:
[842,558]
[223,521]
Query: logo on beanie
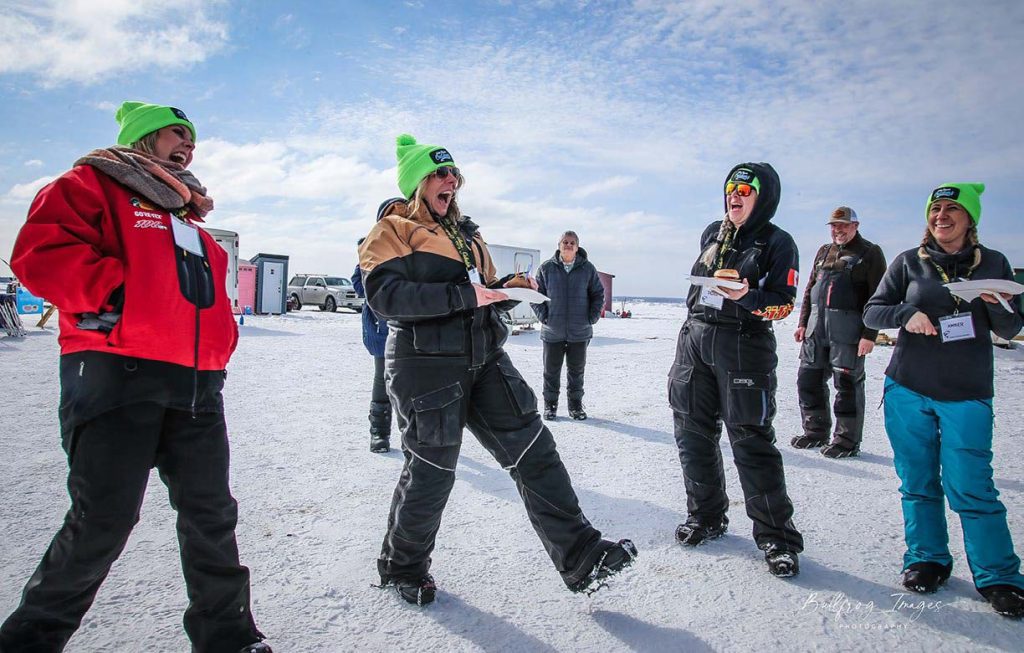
[441,156]
[178,113]
[946,193]
[742,175]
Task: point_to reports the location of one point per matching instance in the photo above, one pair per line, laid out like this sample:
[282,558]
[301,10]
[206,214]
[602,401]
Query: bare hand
[735,294]
[485,296]
[798,335]
[531,280]
[920,323]
[865,347]
[991,298]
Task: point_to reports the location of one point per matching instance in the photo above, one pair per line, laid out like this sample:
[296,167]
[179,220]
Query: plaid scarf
[165,183]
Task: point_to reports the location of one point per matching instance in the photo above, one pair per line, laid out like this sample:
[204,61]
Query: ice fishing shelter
[246,287]
[271,283]
[509,260]
[606,281]
[228,240]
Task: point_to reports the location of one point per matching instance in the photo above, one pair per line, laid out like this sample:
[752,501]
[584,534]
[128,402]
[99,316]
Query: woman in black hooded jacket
[724,370]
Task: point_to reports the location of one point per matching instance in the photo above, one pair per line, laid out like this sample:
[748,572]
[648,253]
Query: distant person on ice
[835,341]
[724,370]
[375,336]
[146,331]
[577,297]
[938,398]
[427,270]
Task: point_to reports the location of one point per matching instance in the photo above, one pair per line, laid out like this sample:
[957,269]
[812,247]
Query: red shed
[606,281]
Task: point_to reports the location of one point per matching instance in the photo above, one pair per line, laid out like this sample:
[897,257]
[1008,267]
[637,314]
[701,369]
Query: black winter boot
[380,426]
[615,558]
[418,591]
[576,409]
[926,577]
[550,410]
[839,449]
[1007,600]
[782,562]
[817,424]
[694,531]
[257,647]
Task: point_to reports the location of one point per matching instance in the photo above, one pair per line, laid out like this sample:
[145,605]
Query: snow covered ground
[313,504]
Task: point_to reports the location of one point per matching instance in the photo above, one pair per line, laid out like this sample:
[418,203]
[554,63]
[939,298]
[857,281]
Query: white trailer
[228,240]
[508,260]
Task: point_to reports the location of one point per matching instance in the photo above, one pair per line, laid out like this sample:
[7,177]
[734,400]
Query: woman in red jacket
[146,331]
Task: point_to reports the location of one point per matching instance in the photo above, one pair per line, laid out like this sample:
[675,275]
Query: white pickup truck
[327,292]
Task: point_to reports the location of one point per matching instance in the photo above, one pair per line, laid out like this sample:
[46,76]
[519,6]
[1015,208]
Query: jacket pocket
[437,417]
[438,337]
[680,392]
[750,401]
[520,395]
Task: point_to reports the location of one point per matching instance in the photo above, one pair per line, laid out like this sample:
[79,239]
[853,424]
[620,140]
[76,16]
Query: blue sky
[616,119]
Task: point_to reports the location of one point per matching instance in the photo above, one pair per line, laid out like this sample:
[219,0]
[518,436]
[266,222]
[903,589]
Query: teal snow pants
[944,448]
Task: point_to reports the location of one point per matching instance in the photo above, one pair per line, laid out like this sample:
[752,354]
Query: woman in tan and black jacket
[426,269]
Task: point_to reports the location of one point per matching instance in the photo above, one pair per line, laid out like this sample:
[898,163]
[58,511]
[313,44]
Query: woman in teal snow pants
[938,399]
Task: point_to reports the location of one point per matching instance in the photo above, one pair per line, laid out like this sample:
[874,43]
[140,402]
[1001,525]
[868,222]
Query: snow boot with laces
[380,427]
[614,559]
[782,562]
[694,531]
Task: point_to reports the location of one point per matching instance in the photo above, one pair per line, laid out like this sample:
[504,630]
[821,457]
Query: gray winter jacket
[576,299]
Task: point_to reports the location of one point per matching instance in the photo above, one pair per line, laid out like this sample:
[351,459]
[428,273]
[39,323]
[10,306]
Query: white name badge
[710,298]
[186,236]
[474,276]
[956,327]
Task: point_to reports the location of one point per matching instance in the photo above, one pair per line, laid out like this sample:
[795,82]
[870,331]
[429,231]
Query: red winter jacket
[87,235]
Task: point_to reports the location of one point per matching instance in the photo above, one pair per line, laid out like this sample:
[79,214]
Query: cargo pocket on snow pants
[750,401]
[437,417]
[680,393]
[520,395]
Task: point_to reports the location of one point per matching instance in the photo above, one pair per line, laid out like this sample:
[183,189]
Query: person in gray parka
[577,296]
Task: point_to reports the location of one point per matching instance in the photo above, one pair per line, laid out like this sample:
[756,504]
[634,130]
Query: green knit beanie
[416,161]
[745,176]
[965,194]
[138,119]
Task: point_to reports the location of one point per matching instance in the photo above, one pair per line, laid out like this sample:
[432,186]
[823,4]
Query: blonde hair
[147,143]
[416,201]
[725,234]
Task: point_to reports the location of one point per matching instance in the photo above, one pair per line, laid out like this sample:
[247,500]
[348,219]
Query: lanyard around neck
[459,241]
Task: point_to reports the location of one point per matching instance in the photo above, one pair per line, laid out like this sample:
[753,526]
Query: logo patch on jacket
[793,278]
[150,224]
[142,204]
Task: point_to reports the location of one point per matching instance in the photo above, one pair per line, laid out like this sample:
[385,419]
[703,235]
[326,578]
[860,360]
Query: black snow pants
[727,373]
[830,348]
[575,356]
[110,458]
[435,399]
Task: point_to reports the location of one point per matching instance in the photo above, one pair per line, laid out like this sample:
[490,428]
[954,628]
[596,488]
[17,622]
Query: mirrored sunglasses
[744,190]
[447,170]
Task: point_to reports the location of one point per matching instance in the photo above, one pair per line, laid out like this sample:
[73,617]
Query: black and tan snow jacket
[416,279]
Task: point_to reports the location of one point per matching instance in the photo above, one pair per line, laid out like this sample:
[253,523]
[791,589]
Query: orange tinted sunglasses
[743,189]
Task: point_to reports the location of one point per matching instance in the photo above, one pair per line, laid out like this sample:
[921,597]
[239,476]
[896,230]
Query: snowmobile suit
[446,370]
[724,370]
[843,278]
[147,394]
[938,409]
[577,297]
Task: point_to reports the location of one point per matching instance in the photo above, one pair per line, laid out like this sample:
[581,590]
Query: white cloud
[85,41]
[24,193]
[33,163]
[608,185]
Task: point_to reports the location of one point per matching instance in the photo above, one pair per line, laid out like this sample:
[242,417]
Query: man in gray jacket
[577,296]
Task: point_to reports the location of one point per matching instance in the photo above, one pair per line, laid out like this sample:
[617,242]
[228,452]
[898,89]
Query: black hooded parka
[724,371]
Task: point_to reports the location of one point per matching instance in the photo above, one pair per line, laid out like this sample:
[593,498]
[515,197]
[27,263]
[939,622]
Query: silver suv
[329,293]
